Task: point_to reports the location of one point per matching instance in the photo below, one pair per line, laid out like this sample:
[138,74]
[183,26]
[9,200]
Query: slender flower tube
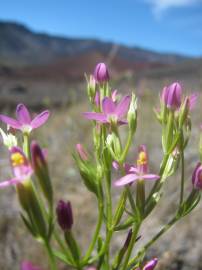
[21,168]
[172,96]
[101,73]
[197,176]
[64,215]
[24,121]
[26,265]
[138,172]
[112,113]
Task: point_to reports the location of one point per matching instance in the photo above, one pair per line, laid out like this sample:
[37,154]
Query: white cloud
[161,5]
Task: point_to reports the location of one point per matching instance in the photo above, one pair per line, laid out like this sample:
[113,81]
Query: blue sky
[161,25]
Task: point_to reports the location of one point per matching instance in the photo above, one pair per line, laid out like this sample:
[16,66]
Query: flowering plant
[109,114]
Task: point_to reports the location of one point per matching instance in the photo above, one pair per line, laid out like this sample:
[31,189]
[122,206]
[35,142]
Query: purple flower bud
[151,264]
[197,176]
[41,170]
[172,95]
[101,73]
[38,159]
[128,238]
[64,215]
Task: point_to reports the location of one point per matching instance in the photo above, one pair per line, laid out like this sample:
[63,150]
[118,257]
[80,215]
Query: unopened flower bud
[101,73]
[184,111]
[41,170]
[91,87]
[132,114]
[197,176]
[81,151]
[151,264]
[127,241]
[64,215]
[171,95]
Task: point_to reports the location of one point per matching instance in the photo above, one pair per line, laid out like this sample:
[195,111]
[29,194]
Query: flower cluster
[102,171]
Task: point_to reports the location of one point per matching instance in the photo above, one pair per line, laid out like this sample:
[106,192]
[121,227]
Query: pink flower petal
[10,121]
[150,177]
[192,101]
[10,182]
[40,119]
[95,116]
[22,114]
[108,105]
[127,179]
[122,107]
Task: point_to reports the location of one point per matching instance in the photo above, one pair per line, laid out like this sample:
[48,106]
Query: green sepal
[28,225]
[62,257]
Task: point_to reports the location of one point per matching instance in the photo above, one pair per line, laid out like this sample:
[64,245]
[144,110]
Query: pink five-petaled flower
[197,176]
[24,121]
[139,172]
[21,168]
[172,95]
[112,112]
[26,265]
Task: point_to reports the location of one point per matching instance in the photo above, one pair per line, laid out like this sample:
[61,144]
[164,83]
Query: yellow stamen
[17,159]
[142,158]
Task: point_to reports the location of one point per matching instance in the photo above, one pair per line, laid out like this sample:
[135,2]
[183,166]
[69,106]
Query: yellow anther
[17,159]
[142,158]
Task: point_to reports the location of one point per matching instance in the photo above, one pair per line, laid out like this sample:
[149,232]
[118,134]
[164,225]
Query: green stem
[153,240]
[51,256]
[182,178]
[136,228]
[62,246]
[26,146]
[158,183]
[97,230]
[108,198]
[126,149]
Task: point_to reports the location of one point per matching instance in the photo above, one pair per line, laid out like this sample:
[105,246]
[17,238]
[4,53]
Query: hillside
[21,46]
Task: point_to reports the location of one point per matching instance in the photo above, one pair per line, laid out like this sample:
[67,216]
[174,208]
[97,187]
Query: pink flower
[197,176]
[172,95]
[29,266]
[112,112]
[24,121]
[138,172]
[21,168]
